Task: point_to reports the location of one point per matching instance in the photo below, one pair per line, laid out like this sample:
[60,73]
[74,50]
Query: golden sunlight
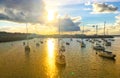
[51,69]
[50,48]
[50,15]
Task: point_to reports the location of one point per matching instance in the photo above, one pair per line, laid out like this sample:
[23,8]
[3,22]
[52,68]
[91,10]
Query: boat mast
[27,33]
[59,33]
[104,27]
[83,30]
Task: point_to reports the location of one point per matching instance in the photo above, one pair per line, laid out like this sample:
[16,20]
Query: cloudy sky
[44,16]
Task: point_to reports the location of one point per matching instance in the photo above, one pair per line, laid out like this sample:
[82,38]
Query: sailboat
[60,58]
[82,43]
[27,47]
[107,54]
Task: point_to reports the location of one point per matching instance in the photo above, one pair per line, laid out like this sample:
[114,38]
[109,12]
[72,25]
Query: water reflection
[51,69]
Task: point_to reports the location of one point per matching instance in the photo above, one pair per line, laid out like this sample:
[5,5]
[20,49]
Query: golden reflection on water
[51,58]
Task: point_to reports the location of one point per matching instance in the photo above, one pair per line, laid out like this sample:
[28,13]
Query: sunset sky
[44,16]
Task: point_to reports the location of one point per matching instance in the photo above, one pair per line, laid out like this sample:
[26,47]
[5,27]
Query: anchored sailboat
[27,47]
[60,58]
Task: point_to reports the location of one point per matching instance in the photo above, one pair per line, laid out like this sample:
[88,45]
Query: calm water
[40,62]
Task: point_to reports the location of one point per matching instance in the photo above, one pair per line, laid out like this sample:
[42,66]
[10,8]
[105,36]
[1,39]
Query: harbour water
[40,61]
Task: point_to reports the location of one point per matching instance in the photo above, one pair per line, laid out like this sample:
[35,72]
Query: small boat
[67,43]
[107,54]
[83,44]
[23,43]
[112,39]
[62,48]
[86,39]
[37,44]
[78,41]
[108,43]
[41,42]
[99,41]
[71,39]
[99,47]
[27,48]
[60,59]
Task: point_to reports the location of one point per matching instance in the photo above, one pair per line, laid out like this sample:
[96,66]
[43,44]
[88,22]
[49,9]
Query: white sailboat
[27,47]
[83,45]
[60,58]
[107,54]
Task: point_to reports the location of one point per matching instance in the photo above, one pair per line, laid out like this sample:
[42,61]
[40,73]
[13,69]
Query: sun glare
[50,15]
[50,48]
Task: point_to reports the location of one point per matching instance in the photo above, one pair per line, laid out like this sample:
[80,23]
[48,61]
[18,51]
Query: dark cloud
[32,11]
[4,17]
[67,24]
[103,8]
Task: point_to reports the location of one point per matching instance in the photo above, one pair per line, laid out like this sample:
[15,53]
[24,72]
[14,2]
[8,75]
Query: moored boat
[60,59]
[99,47]
[107,54]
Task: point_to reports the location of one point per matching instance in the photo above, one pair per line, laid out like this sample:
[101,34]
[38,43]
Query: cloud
[32,11]
[117,23]
[87,9]
[76,19]
[66,24]
[87,3]
[70,2]
[103,8]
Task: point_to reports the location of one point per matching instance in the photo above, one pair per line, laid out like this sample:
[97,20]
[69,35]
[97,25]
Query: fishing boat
[107,54]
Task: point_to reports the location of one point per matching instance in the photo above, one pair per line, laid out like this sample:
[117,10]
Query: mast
[104,27]
[83,30]
[96,29]
[59,33]
[27,33]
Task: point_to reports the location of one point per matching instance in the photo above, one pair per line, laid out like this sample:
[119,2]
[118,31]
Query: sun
[50,15]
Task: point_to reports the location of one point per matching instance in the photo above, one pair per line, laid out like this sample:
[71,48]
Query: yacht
[83,44]
[67,43]
[37,44]
[108,43]
[107,54]
[99,47]
[60,59]
[62,48]
[27,48]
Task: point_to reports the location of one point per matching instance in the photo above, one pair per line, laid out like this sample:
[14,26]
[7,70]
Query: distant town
[7,36]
